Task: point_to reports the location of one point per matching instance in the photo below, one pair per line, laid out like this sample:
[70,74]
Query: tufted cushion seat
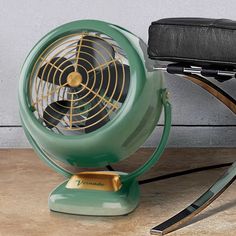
[196,41]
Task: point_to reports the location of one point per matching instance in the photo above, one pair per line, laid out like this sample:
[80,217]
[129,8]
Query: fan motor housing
[132,125]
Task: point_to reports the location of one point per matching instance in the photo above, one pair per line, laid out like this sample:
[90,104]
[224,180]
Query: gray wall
[198,119]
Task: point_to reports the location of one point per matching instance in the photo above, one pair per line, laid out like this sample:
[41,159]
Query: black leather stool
[196,48]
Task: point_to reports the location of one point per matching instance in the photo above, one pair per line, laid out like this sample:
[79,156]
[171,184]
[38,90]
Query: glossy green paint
[124,178]
[127,131]
[160,148]
[95,202]
[113,142]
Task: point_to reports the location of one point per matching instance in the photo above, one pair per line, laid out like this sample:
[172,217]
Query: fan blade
[76,118]
[97,117]
[56,71]
[92,52]
[55,112]
[117,75]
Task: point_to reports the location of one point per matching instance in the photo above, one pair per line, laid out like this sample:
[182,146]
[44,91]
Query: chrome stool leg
[197,206]
[216,189]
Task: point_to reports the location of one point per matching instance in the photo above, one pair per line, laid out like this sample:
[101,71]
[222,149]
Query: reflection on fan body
[89,97]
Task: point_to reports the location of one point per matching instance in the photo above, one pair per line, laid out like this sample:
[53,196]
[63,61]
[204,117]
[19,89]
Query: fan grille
[79,83]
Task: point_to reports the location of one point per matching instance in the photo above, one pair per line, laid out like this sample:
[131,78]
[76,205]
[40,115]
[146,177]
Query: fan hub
[74,79]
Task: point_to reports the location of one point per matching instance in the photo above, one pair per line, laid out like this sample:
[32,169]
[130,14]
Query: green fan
[89,97]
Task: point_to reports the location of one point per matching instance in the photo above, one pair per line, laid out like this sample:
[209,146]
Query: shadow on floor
[212,212]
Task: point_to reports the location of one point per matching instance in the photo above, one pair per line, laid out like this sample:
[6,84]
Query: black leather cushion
[193,40]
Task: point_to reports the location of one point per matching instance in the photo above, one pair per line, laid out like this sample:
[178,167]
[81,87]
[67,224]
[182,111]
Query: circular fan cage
[79,83]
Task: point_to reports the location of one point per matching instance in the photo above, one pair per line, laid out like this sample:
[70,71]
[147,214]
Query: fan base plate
[95,202]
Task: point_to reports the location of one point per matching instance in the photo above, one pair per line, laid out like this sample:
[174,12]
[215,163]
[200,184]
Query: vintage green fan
[89,97]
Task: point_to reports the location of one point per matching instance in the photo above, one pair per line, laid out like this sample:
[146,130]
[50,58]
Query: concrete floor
[25,183]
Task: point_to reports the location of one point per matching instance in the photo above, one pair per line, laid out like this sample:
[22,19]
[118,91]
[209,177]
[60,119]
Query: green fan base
[95,202]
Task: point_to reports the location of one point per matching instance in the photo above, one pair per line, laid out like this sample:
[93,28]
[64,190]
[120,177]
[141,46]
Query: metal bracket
[160,148]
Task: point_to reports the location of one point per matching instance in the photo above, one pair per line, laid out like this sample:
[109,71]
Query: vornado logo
[95,181]
[87,182]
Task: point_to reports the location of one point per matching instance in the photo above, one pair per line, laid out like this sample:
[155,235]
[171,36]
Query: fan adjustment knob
[74,79]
